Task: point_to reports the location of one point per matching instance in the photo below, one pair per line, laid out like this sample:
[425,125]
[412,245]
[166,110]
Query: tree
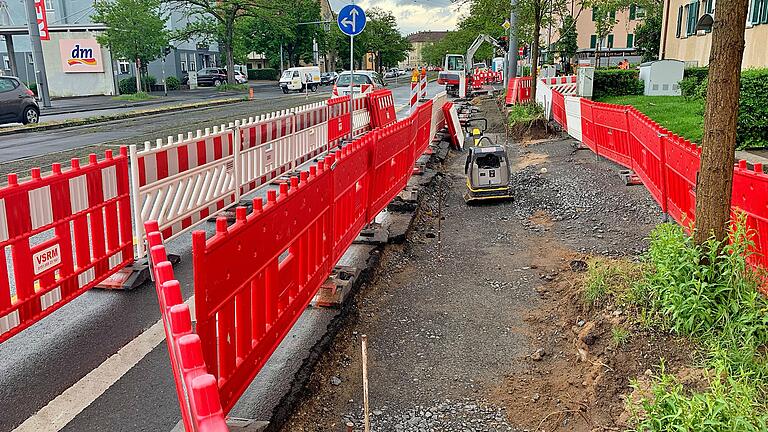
[380,37]
[713,191]
[135,30]
[216,20]
[568,43]
[648,37]
[539,13]
[604,16]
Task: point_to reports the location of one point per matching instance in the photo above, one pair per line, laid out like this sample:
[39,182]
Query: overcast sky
[413,15]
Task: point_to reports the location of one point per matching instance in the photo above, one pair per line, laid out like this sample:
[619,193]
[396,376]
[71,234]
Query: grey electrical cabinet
[662,77]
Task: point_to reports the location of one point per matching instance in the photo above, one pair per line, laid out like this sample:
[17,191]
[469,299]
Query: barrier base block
[132,276]
[578,145]
[630,178]
[336,288]
[373,234]
[235,424]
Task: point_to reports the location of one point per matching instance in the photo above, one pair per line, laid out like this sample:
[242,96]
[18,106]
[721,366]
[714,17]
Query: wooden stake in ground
[365,384]
[713,191]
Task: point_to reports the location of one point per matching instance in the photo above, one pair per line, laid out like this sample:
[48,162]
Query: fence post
[664,169]
[237,169]
[138,228]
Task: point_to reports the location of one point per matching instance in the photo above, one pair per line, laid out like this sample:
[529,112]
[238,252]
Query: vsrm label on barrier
[46,259]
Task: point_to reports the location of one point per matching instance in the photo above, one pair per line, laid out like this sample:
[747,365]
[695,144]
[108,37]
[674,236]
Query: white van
[296,78]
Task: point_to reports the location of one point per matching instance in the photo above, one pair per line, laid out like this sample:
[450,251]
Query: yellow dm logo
[82,56]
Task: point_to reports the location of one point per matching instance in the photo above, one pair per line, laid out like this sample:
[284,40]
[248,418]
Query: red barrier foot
[630,178]
[336,288]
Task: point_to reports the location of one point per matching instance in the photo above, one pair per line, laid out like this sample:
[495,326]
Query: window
[610,41]
[183,65]
[123,67]
[679,21]
[594,12]
[630,40]
[710,6]
[192,62]
[593,41]
[693,18]
[7,84]
[6,63]
[632,12]
[759,12]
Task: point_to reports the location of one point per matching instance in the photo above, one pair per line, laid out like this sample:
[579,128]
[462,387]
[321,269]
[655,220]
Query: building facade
[686,35]
[418,42]
[618,45]
[70,22]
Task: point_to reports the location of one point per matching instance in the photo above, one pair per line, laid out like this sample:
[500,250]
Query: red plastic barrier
[351,184]
[196,389]
[519,90]
[611,131]
[339,120]
[424,125]
[558,109]
[683,163]
[393,159]
[648,156]
[67,232]
[750,195]
[454,127]
[382,108]
[588,125]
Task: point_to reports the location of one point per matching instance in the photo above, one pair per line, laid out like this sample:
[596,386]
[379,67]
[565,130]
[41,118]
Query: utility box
[585,77]
[662,77]
[548,71]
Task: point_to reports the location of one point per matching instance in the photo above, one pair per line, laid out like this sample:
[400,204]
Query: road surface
[99,363]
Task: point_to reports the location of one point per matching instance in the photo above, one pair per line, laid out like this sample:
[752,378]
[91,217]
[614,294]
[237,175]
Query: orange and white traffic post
[423,92]
[414,89]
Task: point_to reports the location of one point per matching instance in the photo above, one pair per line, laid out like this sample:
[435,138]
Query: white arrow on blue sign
[351,20]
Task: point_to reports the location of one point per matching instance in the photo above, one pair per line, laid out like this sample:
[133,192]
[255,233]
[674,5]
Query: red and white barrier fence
[67,231]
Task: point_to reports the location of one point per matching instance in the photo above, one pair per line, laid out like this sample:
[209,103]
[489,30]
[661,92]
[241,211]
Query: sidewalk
[100,103]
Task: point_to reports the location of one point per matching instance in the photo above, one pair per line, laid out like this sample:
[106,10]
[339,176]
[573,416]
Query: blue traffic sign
[351,20]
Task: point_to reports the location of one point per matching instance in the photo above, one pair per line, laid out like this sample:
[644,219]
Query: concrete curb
[121,116]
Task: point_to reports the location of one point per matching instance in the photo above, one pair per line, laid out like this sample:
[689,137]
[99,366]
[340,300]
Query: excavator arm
[476,45]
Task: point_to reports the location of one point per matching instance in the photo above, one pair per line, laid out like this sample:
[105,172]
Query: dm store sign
[80,55]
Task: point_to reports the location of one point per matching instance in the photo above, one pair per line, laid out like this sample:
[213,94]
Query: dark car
[17,102]
[209,77]
[328,78]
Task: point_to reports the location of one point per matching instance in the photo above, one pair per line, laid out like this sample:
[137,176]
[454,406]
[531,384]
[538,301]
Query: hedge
[752,127]
[127,85]
[263,74]
[697,73]
[617,82]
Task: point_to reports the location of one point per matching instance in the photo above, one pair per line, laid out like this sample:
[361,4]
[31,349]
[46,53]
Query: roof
[427,36]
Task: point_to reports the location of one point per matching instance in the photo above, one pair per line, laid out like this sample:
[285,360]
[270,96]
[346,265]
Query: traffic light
[504,43]
[166,51]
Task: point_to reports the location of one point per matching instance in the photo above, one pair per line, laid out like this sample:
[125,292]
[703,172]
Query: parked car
[208,77]
[17,102]
[328,78]
[365,81]
[240,78]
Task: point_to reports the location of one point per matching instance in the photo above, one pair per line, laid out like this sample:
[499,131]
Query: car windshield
[287,74]
[359,80]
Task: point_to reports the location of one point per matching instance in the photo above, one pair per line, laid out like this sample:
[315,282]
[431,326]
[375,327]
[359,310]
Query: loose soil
[472,323]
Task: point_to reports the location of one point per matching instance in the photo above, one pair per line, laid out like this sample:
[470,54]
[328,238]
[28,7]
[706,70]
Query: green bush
[698,73]
[147,82]
[263,74]
[127,85]
[689,87]
[752,128]
[173,83]
[617,82]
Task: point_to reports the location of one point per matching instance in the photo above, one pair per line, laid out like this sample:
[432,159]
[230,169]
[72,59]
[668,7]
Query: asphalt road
[63,373]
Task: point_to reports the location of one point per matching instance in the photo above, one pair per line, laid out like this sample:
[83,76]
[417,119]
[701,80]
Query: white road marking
[66,406]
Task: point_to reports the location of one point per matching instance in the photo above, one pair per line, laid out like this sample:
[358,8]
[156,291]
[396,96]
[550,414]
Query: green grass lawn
[681,116]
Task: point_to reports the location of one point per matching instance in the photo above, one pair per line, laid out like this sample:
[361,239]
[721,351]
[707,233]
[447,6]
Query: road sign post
[351,22]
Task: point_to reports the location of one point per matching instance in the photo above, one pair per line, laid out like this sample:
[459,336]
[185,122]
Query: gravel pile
[448,415]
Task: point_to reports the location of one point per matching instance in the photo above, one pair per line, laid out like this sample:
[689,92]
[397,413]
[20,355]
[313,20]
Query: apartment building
[687,36]
[618,45]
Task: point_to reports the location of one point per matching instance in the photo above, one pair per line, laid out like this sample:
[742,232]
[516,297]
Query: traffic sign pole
[351,22]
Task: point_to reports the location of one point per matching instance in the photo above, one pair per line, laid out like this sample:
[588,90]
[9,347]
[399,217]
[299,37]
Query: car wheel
[285,90]
[216,83]
[30,115]
[313,88]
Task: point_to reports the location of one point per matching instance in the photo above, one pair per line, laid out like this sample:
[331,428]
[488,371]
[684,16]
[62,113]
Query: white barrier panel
[311,131]
[438,117]
[573,116]
[544,98]
[183,182]
[361,116]
[267,149]
[565,85]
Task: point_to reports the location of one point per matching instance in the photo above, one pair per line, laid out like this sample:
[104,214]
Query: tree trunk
[138,75]
[535,51]
[229,43]
[713,191]
[597,53]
